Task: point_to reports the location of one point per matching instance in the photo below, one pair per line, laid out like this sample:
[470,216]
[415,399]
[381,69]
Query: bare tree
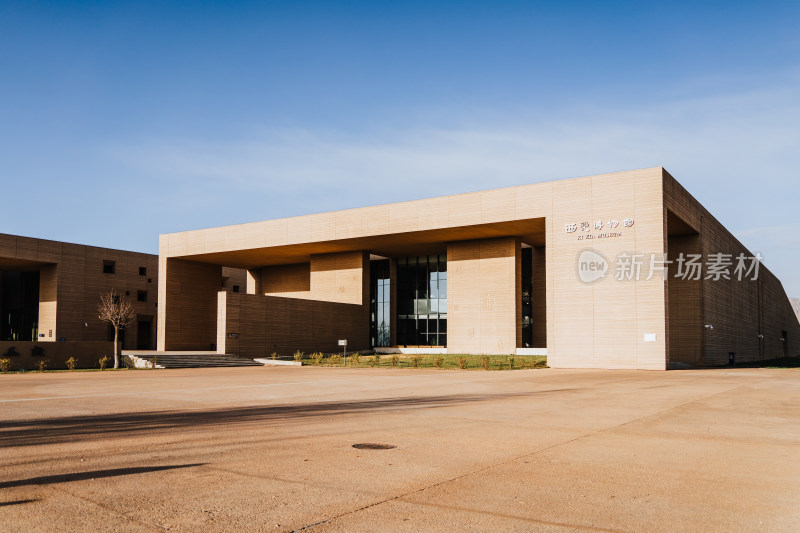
[118,311]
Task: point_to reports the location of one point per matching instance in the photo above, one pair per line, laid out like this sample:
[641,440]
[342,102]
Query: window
[109,267]
[527,297]
[141,296]
[235,288]
[142,271]
[380,303]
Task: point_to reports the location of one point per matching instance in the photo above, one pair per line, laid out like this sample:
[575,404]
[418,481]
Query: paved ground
[270,449]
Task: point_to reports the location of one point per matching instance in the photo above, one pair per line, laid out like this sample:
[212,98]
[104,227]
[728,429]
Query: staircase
[145,359]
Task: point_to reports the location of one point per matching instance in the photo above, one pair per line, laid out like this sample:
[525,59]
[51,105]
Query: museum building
[623,270]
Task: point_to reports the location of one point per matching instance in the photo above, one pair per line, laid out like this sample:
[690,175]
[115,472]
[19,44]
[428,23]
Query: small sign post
[343,343]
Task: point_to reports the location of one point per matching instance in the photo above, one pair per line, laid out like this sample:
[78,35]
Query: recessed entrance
[19,306]
[144,333]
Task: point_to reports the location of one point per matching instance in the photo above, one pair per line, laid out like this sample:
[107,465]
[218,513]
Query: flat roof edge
[657,170]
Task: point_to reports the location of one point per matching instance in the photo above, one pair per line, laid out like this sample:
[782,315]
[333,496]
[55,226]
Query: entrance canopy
[400,244]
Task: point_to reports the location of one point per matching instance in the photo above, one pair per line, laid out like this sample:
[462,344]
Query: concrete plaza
[270,449]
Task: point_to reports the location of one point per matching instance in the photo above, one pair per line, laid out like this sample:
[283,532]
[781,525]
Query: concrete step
[190,360]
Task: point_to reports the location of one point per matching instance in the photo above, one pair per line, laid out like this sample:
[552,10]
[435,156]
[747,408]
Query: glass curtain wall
[379,302]
[422,301]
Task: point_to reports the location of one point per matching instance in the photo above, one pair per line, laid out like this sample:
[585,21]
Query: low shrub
[375,361]
[416,360]
[41,364]
[154,362]
[298,355]
[335,360]
[5,365]
[274,355]
[540,364]
[511,360]
[127,361]
[71,362]
[499,365]
[103,362]
[317,357]
[485,362]
[355,359]
[462,362]
[395,361]
[438,361]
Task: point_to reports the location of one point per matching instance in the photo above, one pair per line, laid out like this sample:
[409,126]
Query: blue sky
[120,121]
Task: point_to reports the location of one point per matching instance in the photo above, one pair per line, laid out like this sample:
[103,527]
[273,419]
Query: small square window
[149,280]
[141,296]
[142,271]
[109,267]
[235,288]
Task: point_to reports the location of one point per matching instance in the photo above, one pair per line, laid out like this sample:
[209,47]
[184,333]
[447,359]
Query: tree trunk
[116,347]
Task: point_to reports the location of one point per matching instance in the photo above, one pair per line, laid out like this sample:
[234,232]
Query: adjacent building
[623,270]
[49,291]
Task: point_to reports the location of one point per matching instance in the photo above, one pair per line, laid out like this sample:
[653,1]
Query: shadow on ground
[58,430]
[16,502]
[82,476]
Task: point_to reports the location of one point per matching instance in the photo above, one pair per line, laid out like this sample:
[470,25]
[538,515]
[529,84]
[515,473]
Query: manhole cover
[373,446]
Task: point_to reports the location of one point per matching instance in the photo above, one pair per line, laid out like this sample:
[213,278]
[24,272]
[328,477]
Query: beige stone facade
[309,284]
